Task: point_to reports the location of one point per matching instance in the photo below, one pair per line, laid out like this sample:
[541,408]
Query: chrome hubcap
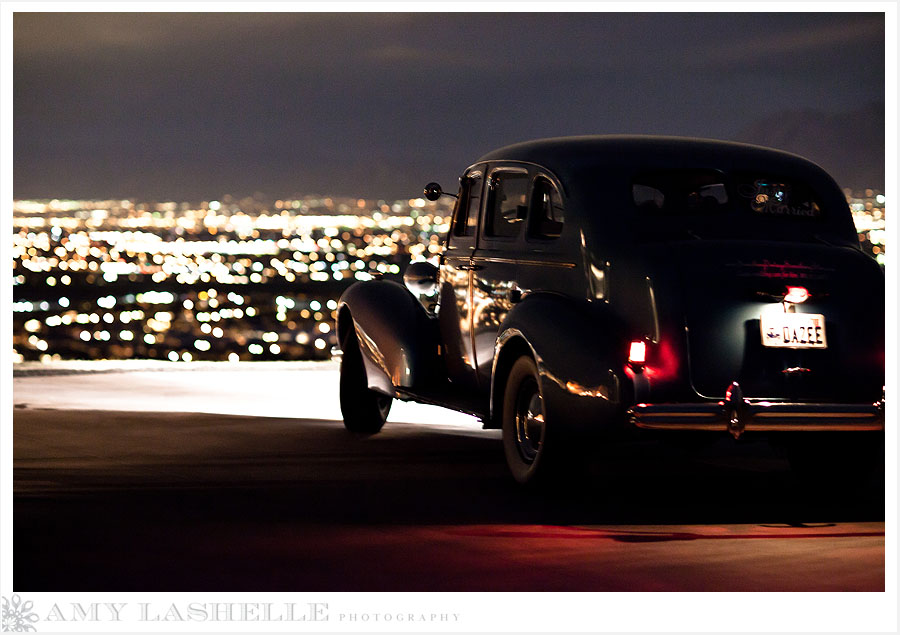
[529,421]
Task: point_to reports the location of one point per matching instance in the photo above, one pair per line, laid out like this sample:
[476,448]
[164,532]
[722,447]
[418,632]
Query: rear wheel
[364,410]
[524,424]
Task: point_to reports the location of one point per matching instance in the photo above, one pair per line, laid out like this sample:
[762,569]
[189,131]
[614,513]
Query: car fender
[580,350]
[397,339]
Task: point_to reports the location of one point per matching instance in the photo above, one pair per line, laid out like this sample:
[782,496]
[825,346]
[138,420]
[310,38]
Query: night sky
[194,106]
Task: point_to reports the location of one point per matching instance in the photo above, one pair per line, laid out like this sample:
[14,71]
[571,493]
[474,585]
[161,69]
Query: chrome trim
[520,261]
[712,427]
[795,370]
[795,427]
[694,414]
[501,341]
[759,416]
[653,310]
[811,415]
[541,170]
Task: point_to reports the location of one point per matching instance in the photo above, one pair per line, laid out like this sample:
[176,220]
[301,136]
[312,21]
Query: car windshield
[701,204]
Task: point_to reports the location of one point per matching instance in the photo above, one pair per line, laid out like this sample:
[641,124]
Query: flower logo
[18,616]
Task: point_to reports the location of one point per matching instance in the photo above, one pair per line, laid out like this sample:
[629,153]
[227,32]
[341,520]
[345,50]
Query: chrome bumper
[737,415]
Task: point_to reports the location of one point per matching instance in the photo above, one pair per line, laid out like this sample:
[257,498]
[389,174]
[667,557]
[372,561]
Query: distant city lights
[225,279]
[221,280]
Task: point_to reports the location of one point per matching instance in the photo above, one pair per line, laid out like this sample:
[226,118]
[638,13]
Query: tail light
[796,295]
[637,354]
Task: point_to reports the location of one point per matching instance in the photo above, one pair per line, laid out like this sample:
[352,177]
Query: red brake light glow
[637,354]
[796,295]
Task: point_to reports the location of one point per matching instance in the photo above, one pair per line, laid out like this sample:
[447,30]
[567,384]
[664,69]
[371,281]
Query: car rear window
[711,204]
[675,192]
[777,197]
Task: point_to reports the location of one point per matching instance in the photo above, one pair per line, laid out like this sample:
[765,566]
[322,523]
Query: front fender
[580,350]
[398,340]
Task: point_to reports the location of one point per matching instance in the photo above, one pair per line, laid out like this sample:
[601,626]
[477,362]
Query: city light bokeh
[220,280]
[225,280]
[867,208]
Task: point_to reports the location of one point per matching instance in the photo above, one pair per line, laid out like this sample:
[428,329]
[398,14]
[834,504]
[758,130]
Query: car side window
[507,205]
[465,216]
[546,213]
[647,198]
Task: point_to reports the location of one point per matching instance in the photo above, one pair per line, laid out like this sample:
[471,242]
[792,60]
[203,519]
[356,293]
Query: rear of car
[662,283]
[776,315]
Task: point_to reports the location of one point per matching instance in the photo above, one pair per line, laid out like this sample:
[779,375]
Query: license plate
[793,330]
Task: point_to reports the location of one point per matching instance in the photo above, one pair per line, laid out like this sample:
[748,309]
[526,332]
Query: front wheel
[524,426]
[364,410]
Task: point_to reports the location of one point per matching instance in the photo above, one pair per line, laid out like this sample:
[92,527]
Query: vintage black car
[598,287]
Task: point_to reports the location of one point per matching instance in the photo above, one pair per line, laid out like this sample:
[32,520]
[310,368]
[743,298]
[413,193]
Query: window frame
[488,203]
[465,240]
[531,221]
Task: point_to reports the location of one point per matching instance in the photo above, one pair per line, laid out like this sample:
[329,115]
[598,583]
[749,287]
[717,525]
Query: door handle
[470,267]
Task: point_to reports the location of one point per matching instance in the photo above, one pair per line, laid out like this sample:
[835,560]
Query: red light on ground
[796,295]
[637,354]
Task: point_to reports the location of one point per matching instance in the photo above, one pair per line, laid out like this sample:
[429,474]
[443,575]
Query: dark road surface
[147,500]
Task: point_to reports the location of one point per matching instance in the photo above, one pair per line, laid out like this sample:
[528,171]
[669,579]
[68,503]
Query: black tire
[525,433]
[364,410]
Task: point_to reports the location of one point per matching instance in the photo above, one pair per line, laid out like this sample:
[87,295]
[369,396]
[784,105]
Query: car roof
[602,166]
[561,154]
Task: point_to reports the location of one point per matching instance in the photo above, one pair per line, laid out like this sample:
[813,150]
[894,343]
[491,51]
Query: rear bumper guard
[737,415]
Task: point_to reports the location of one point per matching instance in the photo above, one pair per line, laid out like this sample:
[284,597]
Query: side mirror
[421,278]
[433,191]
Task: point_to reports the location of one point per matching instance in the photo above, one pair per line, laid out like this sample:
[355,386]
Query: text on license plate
[793,330]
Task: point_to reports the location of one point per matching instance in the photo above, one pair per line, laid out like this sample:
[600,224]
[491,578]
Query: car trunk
[728,285]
